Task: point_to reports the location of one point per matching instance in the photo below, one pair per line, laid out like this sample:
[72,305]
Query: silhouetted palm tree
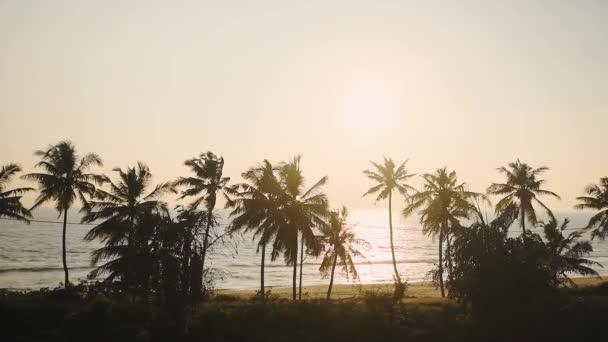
[257,209]
[123,204]
[341,246]
[207,183]
[443,202]
[122,210]
[302,209]
[66,180]
[597,199]
[521,190]
[389,178]
[10,200]
[566,254]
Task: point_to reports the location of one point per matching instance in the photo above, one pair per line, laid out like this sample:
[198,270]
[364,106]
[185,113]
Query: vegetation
[596,199]
[441,204]
[66,181]
[341,245]
[390,179]
[10,200]
[154,257]
[521,191]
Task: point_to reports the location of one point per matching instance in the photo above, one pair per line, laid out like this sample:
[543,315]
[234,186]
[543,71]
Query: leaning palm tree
[121,210]
[10,200]
[341,246]
[521,190]
[390,179]
[207,183]
[443,202]
[302,209]
[256,209]
[66,181]
[567,254]
[596,199]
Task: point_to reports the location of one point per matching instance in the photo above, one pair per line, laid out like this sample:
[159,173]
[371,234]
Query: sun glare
[369,110]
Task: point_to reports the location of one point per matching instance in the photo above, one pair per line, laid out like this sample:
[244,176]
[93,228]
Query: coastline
[415,290]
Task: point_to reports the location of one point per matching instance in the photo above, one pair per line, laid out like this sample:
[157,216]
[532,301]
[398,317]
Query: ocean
[30,255]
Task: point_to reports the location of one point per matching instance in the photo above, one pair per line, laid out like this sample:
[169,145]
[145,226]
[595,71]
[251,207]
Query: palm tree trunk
[390,225]
[295,268]
[523,220]
[63,250]
[441,262]
[448,240]
[301,265]
[331,279]
[262,291]
[205,244]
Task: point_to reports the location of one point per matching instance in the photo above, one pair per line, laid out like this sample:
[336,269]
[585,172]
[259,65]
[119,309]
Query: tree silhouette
[66,180]
[10,200]
[566,253]
[302,209]
[207,183]
[442,202]
[341,245]
[521,190]
[596,199]
[256,208]
[121,210]
[389,178]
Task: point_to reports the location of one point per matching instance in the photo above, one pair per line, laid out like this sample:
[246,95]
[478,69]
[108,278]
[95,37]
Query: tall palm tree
[66,181]
[596,199]
[566,253]
[521,190]
[256,209]
[302,210]
[390,179]
[207,183]
[10,200]
[121,209]
[443,202]
[341,246]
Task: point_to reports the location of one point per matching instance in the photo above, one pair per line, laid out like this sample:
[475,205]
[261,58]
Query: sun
[369,110]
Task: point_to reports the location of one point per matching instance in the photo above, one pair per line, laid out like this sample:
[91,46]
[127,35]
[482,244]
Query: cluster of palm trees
[149,247]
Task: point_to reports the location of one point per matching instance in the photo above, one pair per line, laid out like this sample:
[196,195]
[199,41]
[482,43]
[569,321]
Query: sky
[471,85]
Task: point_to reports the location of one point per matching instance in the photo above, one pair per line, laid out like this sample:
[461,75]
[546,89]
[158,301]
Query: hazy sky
[467,84]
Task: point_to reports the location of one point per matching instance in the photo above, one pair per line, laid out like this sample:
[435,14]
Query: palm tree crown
[521,191]
[596,199]
[389,178]
[10,200]
[124,203]
[566,253]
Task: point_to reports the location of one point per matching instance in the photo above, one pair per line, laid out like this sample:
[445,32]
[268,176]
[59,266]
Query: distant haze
[471,85]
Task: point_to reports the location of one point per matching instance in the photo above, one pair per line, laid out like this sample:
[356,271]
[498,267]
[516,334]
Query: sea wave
[40,269]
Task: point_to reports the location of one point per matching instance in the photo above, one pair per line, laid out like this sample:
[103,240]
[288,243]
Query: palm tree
[302,210]
[10,200]
[521,190]
[66,180]
[342,244]
[444,202]
[122,208]
[566,254]
[205,186]
[597,199]
[256,208]
[389,179]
